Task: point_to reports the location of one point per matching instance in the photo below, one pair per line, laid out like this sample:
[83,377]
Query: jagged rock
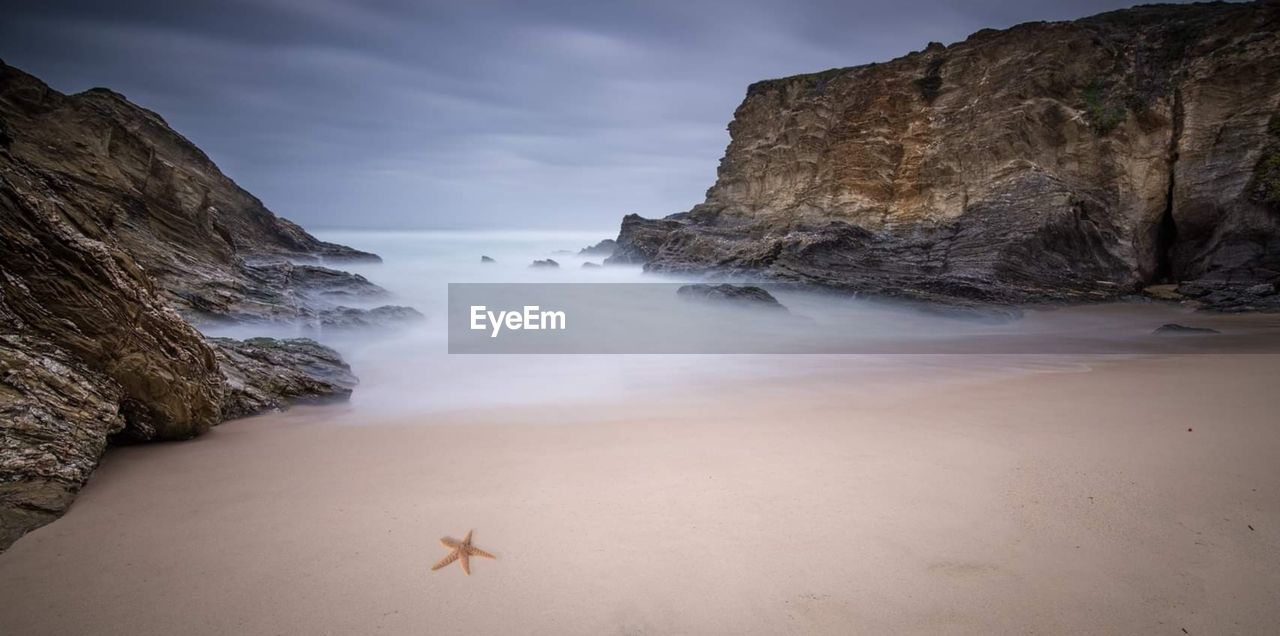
[267,374]
[330,283]
[486,259]
[744,295]
[545,263]
[1173,328]
[88,297]
[201,238]
[90,350]
[1261,289]
[272,291]
[109,220]
[1048,162]
[640,239]
[1217,295]
[604,248]
[1194,289]
[353,318]
[56,415]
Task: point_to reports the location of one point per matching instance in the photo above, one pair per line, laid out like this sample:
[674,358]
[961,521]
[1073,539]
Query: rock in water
[1175,329]
[640,239]
[486,259]
[384,316]
[278,291]
[265,374]
[745,295]
[590,265]
[548,263]
[1050,161]
[604,248]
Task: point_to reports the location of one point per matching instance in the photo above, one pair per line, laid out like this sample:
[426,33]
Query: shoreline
[1003,504]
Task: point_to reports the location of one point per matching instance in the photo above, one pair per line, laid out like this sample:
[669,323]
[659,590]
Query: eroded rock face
[110,225]
[202,239]
[640,239]
[65,280]
[55,417]
[87,350]
[604,248]
[1050,161]
[265,374]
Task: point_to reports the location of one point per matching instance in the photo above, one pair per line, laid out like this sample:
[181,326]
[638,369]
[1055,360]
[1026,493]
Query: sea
[408,371]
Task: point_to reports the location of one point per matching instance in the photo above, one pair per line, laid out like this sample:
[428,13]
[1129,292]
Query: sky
[470,113]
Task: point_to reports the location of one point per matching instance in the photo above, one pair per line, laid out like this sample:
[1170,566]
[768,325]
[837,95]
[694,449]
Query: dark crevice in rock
[1166,230]
[1166,239]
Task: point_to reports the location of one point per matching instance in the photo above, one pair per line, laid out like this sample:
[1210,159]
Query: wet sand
[1051,503]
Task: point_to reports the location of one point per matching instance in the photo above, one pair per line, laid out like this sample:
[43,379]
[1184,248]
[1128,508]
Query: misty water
[408,370]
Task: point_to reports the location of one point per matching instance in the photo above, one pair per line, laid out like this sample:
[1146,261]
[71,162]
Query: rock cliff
[213,250]
[112,227]
[1050,161]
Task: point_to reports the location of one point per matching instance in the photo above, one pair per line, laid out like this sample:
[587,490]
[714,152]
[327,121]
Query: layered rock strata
[1047,162]
[113,228]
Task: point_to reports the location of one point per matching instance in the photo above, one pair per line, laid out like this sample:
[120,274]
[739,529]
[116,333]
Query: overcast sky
[512,114]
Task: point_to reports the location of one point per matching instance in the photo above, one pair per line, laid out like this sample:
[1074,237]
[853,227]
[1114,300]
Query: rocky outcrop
[88,350]
[748,296]
[111,224]
[604,248]
[640,239]
[1050,161]
[1175,329]
[274,291]
[65,279]
[544,264]
[55,417]
[1228,296]
[265,374]
[212,249]
[352,318]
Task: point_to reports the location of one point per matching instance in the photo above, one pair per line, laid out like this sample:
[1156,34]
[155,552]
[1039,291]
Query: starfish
[461,550]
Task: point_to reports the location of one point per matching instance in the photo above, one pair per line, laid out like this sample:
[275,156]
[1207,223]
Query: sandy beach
[1061,502]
